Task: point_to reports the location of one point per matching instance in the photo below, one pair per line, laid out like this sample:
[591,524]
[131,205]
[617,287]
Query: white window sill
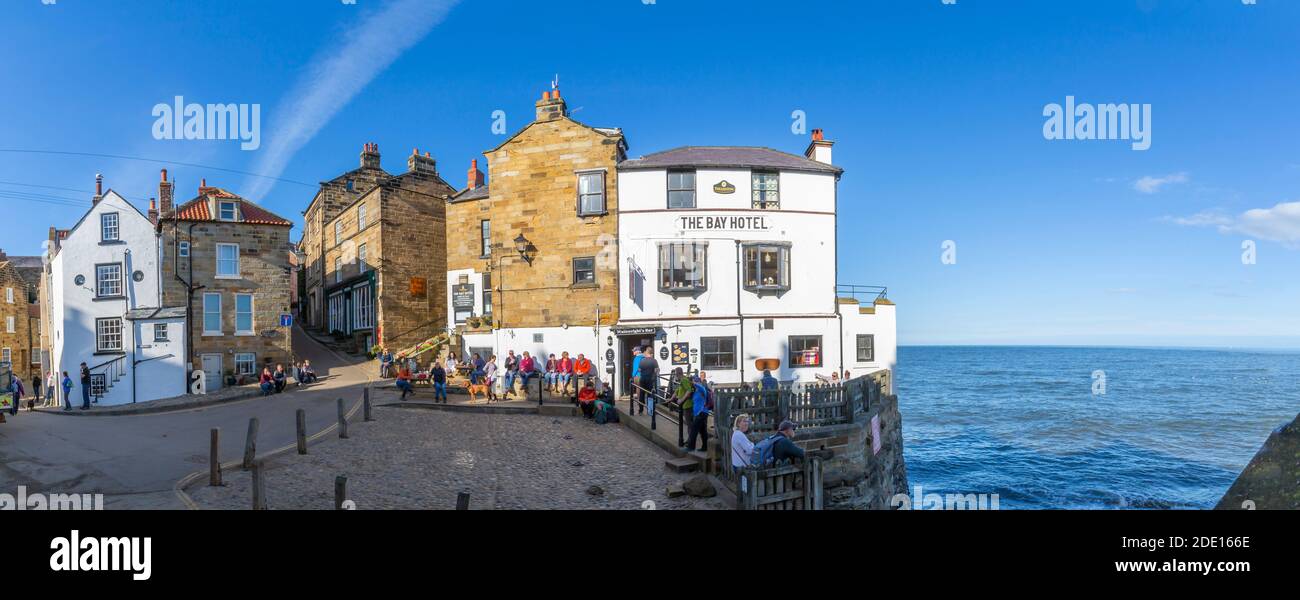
[245,333]
[213,334]
[227,277]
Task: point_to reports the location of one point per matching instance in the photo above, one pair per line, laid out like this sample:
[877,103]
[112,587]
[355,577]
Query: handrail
[661,400]
[859,292]
[107,362]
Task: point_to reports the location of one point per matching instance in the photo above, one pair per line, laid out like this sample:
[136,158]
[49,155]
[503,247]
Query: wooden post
[301,418]
[214,459]
[365,399]
[462,501]
[343,421]
[259,487]
[250,443]
[340,491]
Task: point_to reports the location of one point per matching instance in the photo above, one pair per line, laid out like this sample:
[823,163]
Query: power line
[155,160]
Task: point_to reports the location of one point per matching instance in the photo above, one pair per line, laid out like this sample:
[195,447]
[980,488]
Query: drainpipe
[740,314]
[189,293]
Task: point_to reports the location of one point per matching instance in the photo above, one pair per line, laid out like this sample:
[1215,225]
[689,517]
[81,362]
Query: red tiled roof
[197,209]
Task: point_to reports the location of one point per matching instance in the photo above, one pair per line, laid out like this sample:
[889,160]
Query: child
[439,376]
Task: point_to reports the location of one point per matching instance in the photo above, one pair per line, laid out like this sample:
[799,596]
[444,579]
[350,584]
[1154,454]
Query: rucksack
[764,451]
[601,417]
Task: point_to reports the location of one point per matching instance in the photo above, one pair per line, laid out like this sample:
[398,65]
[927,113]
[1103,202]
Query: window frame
[757,204]
[485,238]
[338,232]
[104,226]
[162,328]
[234,210]
[361,216]
[121,283]
[361,258]
[871,347]
[603,194]
[100,334]
[11,324]
[784,262]
[487,293]
[251,362]
[183,249]
[700,263]
[790,352]
[252,310]
[693,189]
[363,304]
[220,325]
[573,264]
[238,268]
[705,353]
[7,355]
[338,269]
[9,295]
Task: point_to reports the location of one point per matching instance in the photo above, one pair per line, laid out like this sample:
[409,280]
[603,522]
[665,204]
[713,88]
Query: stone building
[227,260]
[19,333]
[371,245]
[532,259]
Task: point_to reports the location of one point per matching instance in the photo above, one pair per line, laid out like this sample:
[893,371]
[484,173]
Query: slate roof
[477,193]
[197,209]
[739,157]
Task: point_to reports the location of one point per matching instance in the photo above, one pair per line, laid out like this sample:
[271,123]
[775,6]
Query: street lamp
[523,247]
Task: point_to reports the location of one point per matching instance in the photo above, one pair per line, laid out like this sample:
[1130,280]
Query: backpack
[764,452]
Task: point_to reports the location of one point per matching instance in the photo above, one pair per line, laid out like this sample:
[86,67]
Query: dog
[477,388]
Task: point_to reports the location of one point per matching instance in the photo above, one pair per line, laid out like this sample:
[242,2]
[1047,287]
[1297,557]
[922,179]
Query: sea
[1089,428]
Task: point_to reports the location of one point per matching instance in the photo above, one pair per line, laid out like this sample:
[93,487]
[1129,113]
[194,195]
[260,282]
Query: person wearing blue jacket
[702,406]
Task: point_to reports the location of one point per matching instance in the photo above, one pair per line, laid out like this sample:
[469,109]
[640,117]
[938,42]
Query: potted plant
[230,378]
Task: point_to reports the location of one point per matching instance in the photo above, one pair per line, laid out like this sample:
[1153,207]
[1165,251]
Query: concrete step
[686,464]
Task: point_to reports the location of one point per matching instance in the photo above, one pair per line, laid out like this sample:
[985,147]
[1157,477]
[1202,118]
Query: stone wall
[21,341]
[1271,481]
[413,246]
[533,184]
[264,272]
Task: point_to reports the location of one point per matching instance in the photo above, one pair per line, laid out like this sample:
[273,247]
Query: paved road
[135,460]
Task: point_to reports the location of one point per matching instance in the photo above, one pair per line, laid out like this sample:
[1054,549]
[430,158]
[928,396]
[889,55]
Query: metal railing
[862,293]
[664,403]
[108,372]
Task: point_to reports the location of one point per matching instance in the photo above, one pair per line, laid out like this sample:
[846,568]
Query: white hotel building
[728,255]
[106,307]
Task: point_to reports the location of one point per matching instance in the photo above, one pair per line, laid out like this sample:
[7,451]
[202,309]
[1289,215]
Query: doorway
[627,344]
[212,371]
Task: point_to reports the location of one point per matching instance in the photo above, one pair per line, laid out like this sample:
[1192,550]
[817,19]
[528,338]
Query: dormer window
[227,211]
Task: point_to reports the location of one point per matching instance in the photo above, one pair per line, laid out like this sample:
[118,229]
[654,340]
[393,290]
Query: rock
[568,436]
[675,490]
[596,490]
[555,421]
[700,487]
[577,463]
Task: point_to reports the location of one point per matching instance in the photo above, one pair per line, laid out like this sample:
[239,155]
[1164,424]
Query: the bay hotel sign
[723,223]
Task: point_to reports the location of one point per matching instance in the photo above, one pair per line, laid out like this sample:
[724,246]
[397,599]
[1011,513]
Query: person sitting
[581,369]
[552,373]
[566,373]
[267,382]
[280,378]
[308,374]
[587,399]
[527,370]
[404,381]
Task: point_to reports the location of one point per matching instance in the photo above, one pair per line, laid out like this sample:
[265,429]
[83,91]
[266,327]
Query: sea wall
[859,476]
[1272,479]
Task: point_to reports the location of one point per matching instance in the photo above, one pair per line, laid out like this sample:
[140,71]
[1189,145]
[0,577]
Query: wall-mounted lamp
[525,249]
[695,309]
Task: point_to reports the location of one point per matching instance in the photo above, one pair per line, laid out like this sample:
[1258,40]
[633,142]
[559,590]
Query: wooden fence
[789,487]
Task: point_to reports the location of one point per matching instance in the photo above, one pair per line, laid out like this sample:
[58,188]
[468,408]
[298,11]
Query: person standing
[50,400]
[490,377]
[67,391]
[385,361]
[649,371]
[635,378]
[85,387]
[15,390]
[439,377]
[702,404]
[741,446]
[37,388]
[769,383]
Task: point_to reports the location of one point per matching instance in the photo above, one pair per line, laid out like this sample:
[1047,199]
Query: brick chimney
[475,175]
[370,156]
[820,148]
[551,106]
[3,256]
[153,212]
[165,195]
[424,165]
[99,189]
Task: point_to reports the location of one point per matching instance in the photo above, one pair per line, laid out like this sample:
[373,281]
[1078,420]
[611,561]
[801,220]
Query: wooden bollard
[259,487]
[462,501]
[301,418]
[365,400]
[250,443]
[343,421]
[340,491]
[214,459]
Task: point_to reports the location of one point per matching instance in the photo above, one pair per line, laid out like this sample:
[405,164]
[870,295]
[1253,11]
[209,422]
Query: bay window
[767,267]
[683,267]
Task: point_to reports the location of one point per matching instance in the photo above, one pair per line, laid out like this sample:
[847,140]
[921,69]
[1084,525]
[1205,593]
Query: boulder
[675,490]
[700,487]
[596,490]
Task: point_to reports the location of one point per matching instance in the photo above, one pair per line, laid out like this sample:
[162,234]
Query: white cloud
[337,77]
[1278,224]
[1151,185]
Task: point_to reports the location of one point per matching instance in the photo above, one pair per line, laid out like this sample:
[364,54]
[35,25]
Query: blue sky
[937,111]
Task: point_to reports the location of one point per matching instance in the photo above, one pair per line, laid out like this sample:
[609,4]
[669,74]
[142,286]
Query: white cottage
[105,296]
[728,255]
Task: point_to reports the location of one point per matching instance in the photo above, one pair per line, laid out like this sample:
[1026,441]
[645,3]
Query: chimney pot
[99,184]
[817,135]
[164,174]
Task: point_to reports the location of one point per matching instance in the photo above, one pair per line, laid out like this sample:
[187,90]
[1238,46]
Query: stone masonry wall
[533,182]
[19,342]
[857,478]
[413,245]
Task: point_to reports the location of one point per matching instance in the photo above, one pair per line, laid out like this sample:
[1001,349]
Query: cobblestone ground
[411,458]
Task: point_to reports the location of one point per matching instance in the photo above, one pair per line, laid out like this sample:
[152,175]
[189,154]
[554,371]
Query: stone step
[683,465]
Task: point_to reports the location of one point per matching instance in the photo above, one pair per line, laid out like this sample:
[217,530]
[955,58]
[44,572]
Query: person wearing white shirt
[741,447]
